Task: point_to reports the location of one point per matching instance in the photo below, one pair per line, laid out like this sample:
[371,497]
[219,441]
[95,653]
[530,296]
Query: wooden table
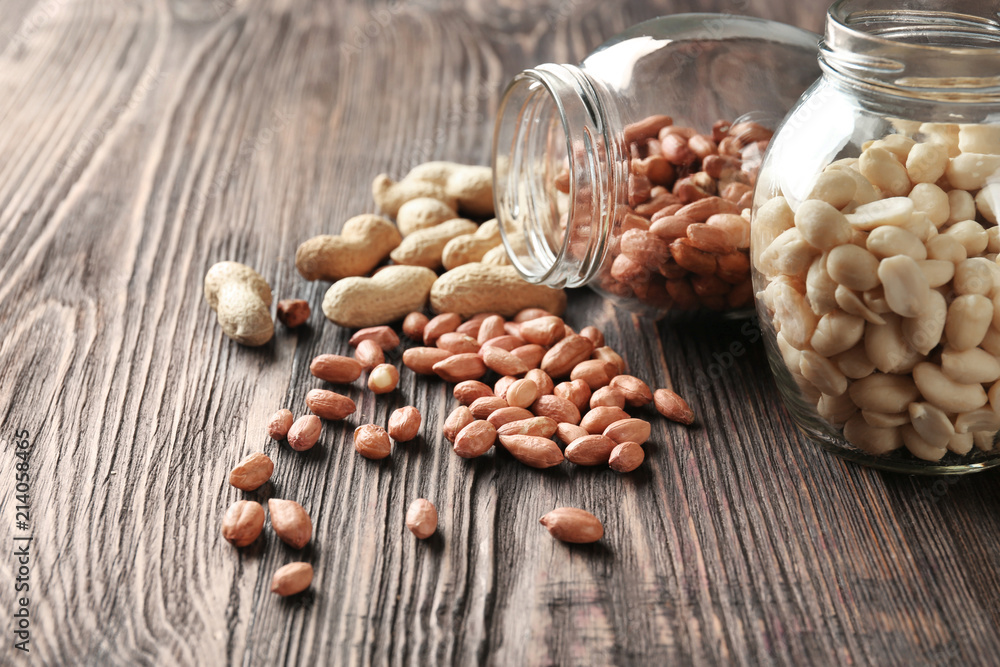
[143,141]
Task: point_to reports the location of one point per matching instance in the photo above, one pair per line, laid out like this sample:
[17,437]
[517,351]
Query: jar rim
[916,48]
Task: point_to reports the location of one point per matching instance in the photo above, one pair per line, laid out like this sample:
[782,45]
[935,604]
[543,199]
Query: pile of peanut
[884,290]
[525,410]
[682,241]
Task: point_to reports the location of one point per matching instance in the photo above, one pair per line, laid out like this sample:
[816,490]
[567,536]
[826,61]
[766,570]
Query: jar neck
[559,171]
[916,48]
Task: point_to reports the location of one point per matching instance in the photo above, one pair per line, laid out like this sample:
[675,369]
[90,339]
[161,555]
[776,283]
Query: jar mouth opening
[916,48]
[551,130]
[969,27]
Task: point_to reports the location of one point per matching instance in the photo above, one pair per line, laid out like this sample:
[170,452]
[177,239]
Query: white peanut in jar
[883,288]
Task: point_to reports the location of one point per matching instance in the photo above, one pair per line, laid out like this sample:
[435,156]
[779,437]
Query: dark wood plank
[142,142]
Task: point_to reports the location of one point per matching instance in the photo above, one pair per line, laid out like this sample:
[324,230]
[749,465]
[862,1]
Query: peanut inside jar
[883,289]
[682,241]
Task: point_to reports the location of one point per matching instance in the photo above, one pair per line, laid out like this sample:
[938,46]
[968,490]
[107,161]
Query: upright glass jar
[629,172]
[874,238]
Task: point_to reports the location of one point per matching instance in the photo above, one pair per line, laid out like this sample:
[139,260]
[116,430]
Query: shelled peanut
[682,240]
[526,410]
[884,292]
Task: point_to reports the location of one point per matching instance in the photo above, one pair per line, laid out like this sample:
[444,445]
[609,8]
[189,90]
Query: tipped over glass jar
[874,239]
[633,172]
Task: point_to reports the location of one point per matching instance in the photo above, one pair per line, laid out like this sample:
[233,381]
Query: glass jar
[874,239]
[629,172]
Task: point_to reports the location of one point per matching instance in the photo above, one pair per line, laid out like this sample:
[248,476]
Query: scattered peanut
[422,518]
[291,579]
[252,472]
[364,241]
[476,288]
[383,379]
[304,433]
[240,298]
[243,522]
[280,422]
[293,312]
[569,524]
[626,457]
[385,297]
[372,442]
[290,521]
[329,404]
[404,424]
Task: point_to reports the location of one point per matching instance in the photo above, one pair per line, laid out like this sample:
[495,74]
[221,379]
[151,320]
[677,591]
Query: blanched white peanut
[969,317]
[906,288]
[885,420]
[945,393]
[996,312]
[926,162]
[971,235]
[888,241]
[991,342]
[892,211]
[945,134]
[771,219]
[837,332]
[835,188]
[994,396]
[899,145]
[821,289]
[993,242]
[932,201]
[983,419]
[979,138]
[886,346]
[924,333]
[875,299]
[931,423]
[962,205]
[822,373]
[865,192]
[791,355]
[822,225]
[972,366]
[853,267]
[988,201]
[946,248]
[937,272]
[884,171]
[920,225]
[854,363]
[883,392]
[875,441]
[974,276]
[797,319]
[984,440]
[789,254]
[920,447]
[853,304]
[971,171]
[961,443]
[836,409]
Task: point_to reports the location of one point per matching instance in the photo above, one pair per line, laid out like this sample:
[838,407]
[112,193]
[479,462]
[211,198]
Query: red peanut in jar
[633,173]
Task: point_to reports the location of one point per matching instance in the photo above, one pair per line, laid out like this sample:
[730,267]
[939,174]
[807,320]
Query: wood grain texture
[141,142]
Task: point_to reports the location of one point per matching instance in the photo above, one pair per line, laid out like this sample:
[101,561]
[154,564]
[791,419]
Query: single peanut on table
[422,518]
